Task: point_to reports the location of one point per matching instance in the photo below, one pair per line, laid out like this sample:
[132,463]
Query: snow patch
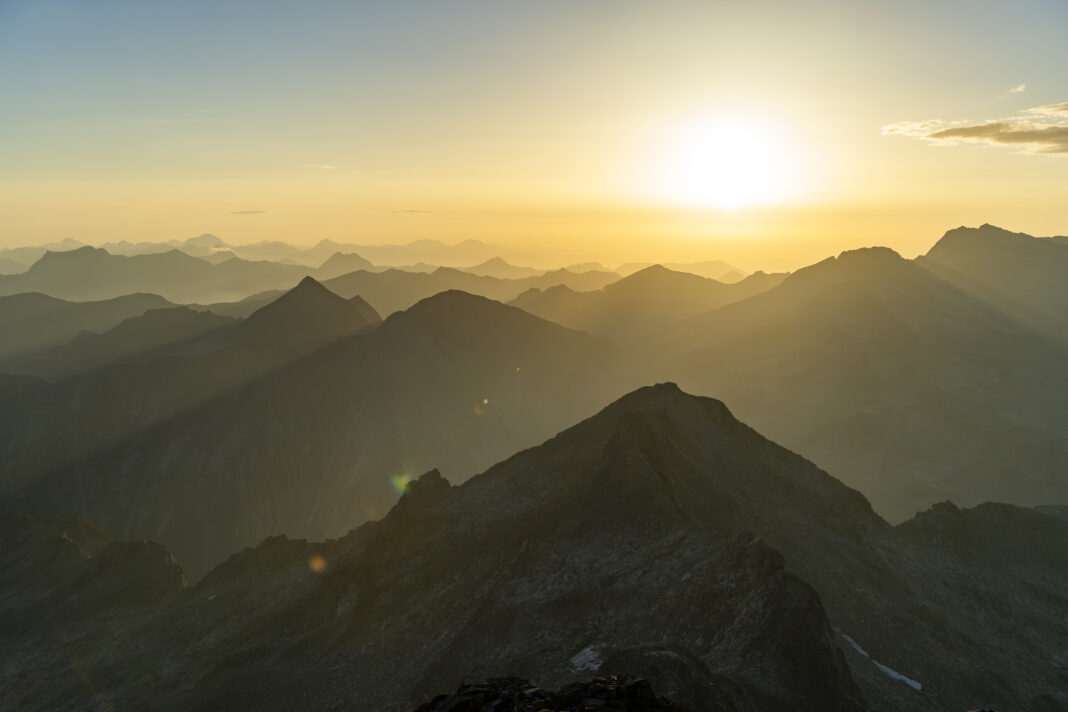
[587,659]
[854,643]
[889,672]
[898,676]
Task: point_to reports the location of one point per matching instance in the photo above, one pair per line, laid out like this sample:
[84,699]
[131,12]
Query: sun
[726,163]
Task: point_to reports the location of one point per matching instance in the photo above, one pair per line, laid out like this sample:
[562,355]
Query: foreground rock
[514,695]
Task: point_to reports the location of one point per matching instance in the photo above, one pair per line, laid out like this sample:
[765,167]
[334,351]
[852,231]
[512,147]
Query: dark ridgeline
[32,322]
[137,337]
[645,540]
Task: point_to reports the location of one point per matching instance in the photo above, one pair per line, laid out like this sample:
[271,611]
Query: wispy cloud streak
[1040,130]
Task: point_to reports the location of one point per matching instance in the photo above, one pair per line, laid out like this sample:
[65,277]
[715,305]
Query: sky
[767,133]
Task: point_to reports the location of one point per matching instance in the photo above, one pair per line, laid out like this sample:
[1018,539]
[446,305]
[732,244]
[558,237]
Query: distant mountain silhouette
[893,379]
[92,273]
[394,290]
[217,257]
[307,314]
[640,304]
[31,321]
[496,267]
[1021,275]
[712,269]
[341,263]
[456,381]
[26,256]
[661,537]
[136,336]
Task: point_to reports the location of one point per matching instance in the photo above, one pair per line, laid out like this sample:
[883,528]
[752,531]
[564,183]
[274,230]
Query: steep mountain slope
[893,379]
[310,448]
[640,304]
[644,540]
[1024,276]
[93,273]
[32,321]
[154,329]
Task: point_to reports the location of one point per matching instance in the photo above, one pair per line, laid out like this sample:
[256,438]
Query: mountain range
[32,321]
[640,304]
[456,381]
[891,377]
[89,273]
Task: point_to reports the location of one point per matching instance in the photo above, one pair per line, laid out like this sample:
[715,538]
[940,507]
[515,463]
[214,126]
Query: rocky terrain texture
[660,538]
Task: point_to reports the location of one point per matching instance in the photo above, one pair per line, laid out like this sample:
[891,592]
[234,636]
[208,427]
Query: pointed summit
[308,313]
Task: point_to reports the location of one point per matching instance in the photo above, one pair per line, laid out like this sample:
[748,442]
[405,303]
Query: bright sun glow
[728,164]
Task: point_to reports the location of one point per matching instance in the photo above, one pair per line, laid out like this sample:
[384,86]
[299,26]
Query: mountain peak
[972,237]
[309,312]
[660,395]
[870,255]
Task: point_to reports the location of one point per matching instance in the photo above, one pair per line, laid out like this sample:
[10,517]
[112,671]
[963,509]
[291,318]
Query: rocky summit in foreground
[660,538]
[514,695]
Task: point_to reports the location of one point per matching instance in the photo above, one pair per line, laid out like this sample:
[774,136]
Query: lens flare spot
[485,401]
[317,563]
[401,483]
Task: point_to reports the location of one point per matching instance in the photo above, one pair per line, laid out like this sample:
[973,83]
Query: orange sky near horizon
[766,134]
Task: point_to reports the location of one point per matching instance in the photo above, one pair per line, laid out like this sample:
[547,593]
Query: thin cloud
[1050,110]
[1040,130]
[320,166]
[412,211]
[247,212]
[1018,89]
